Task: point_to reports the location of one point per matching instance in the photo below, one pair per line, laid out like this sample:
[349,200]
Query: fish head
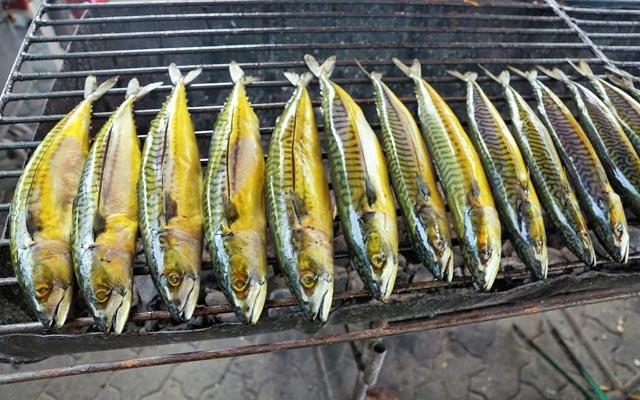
[247,281]
[50,286]
[437,232]
[180,279]
[315,267]
[618,239]
[531,215]
[109,288]
[382,254]
[488,242]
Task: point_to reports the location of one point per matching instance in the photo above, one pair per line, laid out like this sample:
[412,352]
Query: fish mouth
[252,305]
[387,281]
[54,313]
[445,262]
[115,315]
[623,249]
[490,272]
[183,303]
[318,304]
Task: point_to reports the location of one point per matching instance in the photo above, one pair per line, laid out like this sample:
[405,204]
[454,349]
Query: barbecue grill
[136,38]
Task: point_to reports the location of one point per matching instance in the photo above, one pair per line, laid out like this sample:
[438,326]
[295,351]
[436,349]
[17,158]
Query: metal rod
[399,328]
[374,355]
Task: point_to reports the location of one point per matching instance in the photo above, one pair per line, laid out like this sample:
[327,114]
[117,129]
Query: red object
[19,4]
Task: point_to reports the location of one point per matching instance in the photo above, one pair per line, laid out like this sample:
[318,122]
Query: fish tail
[238,76]
[93,92]
[503,78]
[583,68]
[530,75]
[316,68]
[467,76]
[298,79]
[176,75]
[372,74]
[413,70]
[134,89]
[556,73]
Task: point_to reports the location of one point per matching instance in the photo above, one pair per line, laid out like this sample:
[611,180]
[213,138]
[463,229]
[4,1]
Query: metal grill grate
[141,38]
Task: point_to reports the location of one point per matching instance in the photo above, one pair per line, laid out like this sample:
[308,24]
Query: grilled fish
[624,80]
[299,204]
[105,216]
[616,152]
[361,185]
[170,201]
[508,177]
[413,179]
[547,173]
[40,217]
[624,107]
[235,221]
[463,179]
[586,173]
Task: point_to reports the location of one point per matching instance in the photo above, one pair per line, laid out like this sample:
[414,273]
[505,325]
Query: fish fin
[413,70]
[422,186]
[238,76]
[556,73]
[230,212]
[370,193]
[145,90]
[92,93]
[99,225]
[31,224]
[299,209]
[298,79]
[316,68]
[372,74]
[192,75]
[170,207]
[531,75]
[174,73]
[292,77]
[582,68]
[133,87]
[467,76]
[503,78]
[474,194]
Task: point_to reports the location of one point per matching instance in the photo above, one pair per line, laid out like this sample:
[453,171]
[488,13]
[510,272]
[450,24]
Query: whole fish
[299,204]
[413,179]
[547,173]
[624,80]
[616,152]
[40,216]
[625,108]
[105,216]
[508,177]
[586,173]
[360,183]
[170,201]
[235,221]
[463,179]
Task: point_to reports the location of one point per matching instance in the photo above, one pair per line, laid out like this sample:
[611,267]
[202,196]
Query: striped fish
[299,204]
[616,152]
[547,173]
[463,179]
[360,183]
[170,201]
[413,179]
[508,176]
[105,216]
[40,217]
[624,80]
[586,173]
[235,221]
[624,107]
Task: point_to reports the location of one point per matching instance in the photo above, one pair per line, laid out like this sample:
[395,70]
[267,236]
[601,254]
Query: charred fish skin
[508,177]
[463,179]
[586,173]
[625,108]
[361,185]
[105,217]
[235,220]
[40,216]
[170,201]
[299,204]
[616,152]
[414,182]
[547,173]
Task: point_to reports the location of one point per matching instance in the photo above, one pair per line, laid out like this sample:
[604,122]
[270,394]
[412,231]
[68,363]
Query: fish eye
[42,290]
[102,295]
[619,229]
[378,260]
[174,279]
[486,255]
[240,283]
[308,279]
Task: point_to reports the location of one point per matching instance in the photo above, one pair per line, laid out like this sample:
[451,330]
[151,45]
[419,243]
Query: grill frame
[445,303]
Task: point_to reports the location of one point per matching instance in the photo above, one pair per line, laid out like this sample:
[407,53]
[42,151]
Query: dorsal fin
[413,70]
[469,76]
[298,79]
[92,93]
[238,76]
[318,69]
[503,78]
[176,75]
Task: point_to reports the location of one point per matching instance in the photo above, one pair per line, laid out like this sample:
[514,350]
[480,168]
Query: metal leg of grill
[369,362]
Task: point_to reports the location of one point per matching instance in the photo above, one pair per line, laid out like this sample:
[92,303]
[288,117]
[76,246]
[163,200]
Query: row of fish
[79,209]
